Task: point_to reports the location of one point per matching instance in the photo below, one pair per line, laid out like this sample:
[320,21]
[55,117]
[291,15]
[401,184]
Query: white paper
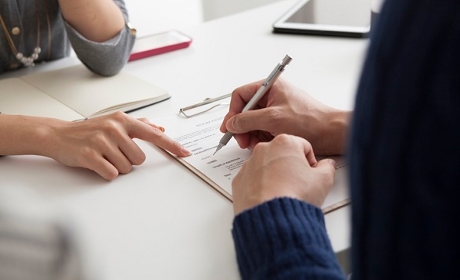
[200,135]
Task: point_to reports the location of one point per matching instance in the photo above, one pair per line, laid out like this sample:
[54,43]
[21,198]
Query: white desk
[160,221]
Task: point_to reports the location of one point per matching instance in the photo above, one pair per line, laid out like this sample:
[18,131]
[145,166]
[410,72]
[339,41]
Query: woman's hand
[103,144]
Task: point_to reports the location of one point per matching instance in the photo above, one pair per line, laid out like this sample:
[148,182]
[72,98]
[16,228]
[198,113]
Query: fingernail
[185,151]
[231,125]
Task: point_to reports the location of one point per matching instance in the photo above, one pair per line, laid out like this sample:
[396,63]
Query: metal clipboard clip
[200,106]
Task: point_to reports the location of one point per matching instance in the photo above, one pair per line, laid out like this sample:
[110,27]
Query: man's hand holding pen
[285,109]
[257,96]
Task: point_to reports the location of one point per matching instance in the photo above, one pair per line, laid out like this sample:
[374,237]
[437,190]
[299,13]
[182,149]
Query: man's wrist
[329,138]
[339,125]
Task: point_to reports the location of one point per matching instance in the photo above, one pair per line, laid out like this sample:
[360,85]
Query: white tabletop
[161,221]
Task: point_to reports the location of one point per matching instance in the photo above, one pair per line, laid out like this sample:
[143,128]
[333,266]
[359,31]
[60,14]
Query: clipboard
[199,133]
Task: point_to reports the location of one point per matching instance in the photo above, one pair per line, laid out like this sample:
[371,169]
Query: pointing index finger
[154,134]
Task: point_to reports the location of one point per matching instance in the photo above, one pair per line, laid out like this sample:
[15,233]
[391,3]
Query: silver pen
[271,79]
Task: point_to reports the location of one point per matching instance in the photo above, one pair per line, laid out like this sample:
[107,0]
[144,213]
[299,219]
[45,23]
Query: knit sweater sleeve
[105,58]
[284,239]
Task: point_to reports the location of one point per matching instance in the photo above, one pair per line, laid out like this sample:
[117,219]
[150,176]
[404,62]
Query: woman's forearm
[96,20]
[21,135]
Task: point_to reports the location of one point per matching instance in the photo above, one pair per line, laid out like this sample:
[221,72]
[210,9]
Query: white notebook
[75,93]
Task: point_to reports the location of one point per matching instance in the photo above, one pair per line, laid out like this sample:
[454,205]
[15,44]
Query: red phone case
[160,50]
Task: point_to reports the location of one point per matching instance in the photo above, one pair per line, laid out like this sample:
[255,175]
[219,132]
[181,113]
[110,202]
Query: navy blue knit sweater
[404,164]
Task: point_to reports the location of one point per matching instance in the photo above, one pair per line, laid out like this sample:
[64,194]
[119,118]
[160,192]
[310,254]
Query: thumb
[325,171]
[327,166]
[247,121]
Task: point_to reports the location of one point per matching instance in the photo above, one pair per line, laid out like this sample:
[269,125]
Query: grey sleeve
[105,58]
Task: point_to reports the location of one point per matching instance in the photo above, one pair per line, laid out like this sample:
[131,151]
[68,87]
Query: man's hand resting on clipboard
[284,167]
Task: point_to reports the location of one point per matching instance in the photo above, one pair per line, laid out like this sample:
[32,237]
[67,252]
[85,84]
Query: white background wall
[152,16]
[217,8]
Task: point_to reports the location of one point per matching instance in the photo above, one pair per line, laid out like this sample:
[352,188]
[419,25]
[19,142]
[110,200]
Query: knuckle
[97,140]
[274,114]
[158,133]
[260,147]
[275,117]
[283,139]
[328,178]
[119,116]
[112,128]
[99,137]
[86,154]
[257,148]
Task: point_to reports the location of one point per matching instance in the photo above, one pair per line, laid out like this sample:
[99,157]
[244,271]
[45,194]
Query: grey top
[106,58]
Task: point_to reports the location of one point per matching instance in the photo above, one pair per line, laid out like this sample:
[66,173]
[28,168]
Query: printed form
[200,135]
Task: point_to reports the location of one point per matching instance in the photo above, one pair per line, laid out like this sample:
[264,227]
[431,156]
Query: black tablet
[350,18]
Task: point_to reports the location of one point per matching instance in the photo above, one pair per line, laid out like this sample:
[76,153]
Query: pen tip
[217,149]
